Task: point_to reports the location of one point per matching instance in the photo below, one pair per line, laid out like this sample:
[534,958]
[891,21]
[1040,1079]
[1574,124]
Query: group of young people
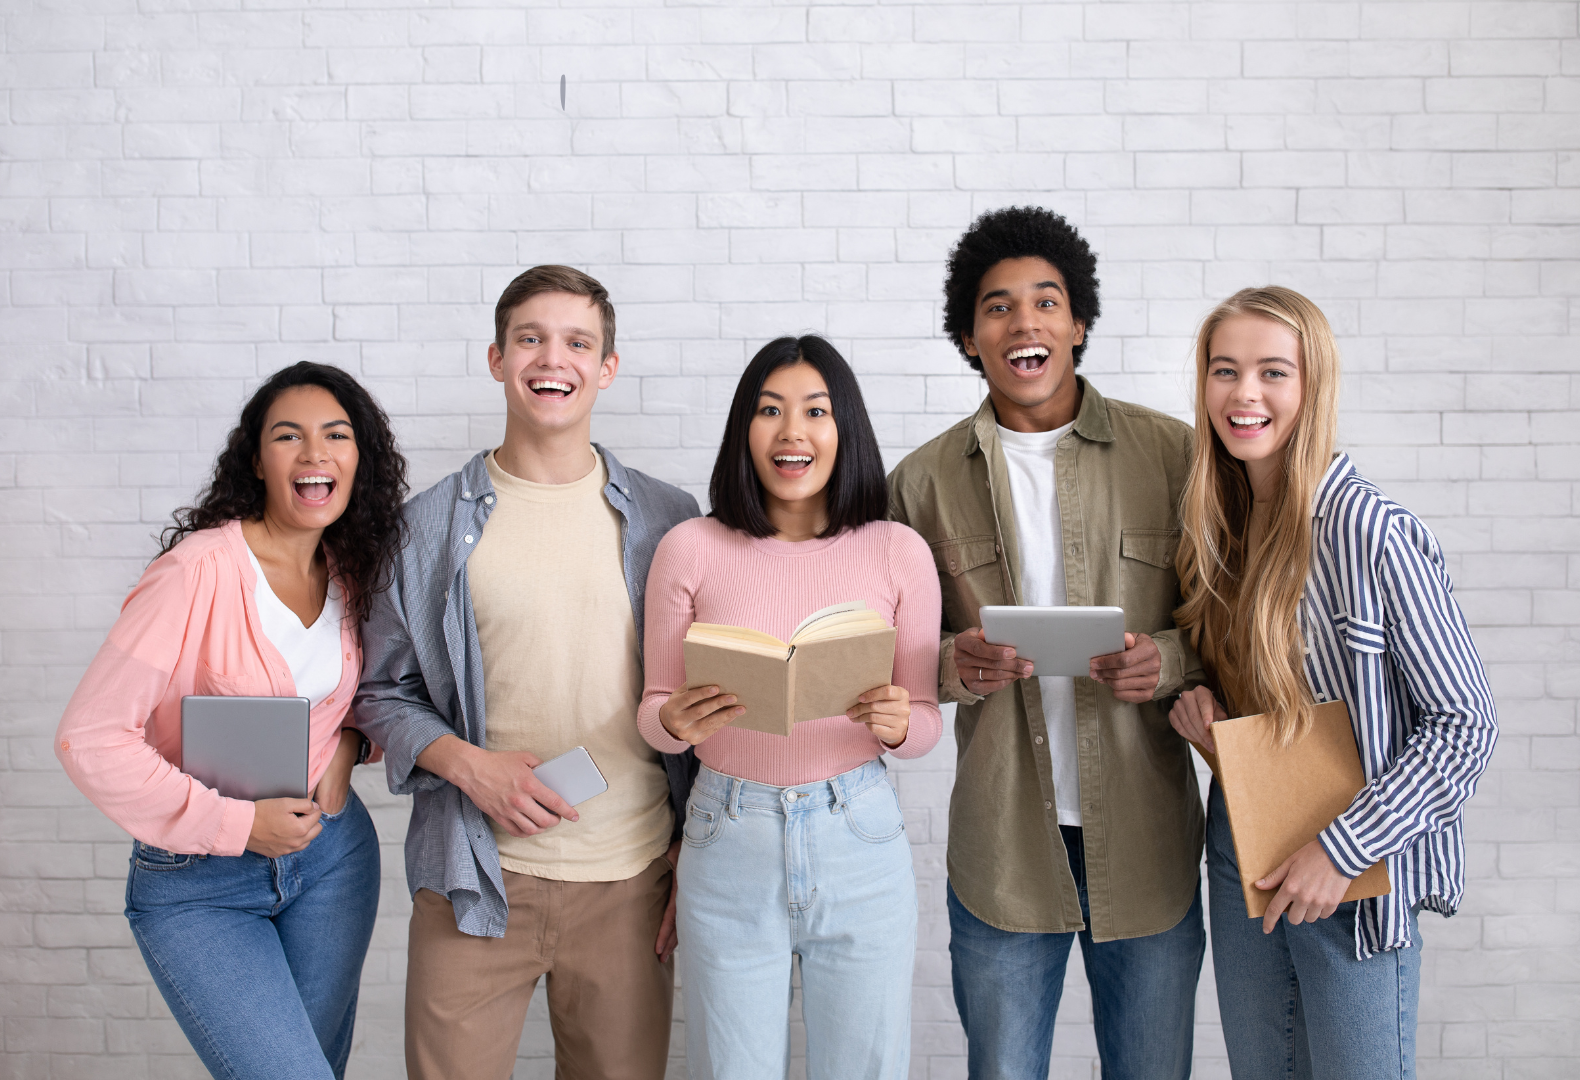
[537,600]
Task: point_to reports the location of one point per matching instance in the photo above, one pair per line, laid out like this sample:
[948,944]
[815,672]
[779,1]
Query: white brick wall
[192,195]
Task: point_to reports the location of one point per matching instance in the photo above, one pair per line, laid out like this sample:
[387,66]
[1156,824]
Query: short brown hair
[553,278]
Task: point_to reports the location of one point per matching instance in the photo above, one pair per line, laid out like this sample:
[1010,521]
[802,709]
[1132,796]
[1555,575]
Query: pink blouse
[705,571]
[190,626]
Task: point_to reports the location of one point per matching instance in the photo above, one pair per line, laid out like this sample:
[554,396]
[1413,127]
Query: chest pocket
[1155,547]
[968,573]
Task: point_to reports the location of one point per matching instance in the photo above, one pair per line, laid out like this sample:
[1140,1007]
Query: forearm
[451,758]
[1182,668]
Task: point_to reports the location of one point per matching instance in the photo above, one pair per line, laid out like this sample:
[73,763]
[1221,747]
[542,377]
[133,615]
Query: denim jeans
[1008,985]
[1296,1004]
[259,959]
[822,872]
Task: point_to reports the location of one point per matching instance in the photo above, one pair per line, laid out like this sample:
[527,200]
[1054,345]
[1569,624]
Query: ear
[1080,333]
[496,363]
[970,344]
[257,466]
[608,369]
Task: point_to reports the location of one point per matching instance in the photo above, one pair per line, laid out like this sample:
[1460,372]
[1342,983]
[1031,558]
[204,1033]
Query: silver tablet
[572,776]
[246,747]
[1057,640]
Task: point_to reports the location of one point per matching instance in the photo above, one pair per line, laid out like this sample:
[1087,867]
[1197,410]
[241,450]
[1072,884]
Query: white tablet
[1057,640]
[572,776]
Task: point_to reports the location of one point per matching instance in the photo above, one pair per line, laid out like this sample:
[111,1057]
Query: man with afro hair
[1075,810]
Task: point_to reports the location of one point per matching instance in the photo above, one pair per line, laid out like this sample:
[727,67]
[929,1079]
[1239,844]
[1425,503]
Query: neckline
[263,583]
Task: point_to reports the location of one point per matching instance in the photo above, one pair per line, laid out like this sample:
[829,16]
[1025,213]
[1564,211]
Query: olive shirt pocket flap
[1156,547]
[955,557]
[1360,635]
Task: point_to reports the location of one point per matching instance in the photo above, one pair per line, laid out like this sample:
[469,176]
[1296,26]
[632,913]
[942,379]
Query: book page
[844,624]
[738,637]
[828,676]
[823,613]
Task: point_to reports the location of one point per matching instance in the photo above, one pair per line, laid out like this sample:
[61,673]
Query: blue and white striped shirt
[1384,634]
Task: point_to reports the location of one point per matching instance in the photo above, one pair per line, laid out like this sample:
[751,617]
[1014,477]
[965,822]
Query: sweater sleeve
[670,611]
[917,611]
[103,742]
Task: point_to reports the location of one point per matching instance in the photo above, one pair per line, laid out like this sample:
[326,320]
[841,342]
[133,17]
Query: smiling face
[307,459]
[793,439]
[1025,335]
[552,363]
[1253,390]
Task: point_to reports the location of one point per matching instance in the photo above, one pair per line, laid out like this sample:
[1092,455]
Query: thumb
[1130,640]
[1276,878]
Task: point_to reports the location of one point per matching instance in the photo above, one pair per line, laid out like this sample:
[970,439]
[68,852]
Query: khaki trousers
[609,997]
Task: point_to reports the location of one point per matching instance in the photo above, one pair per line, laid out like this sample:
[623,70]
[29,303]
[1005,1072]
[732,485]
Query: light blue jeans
[1296,1004]
[259,959]
[822,872]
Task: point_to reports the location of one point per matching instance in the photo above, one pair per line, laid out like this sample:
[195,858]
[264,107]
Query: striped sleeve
[1454,722]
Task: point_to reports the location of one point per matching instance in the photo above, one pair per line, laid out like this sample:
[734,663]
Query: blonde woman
[1304,583]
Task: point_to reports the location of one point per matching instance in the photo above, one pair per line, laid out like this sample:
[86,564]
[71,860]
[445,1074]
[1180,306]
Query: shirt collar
[1340,469]
[1091,422]
[475,482]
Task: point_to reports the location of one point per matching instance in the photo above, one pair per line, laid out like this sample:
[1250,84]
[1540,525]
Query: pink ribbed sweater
[705,571]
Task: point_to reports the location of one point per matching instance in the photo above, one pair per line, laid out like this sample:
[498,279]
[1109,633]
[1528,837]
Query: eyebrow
[1054,285]
[572,331]
[1263,360]
[298,427]
[780,397]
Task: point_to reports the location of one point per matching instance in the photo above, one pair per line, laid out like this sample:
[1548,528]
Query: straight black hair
[857,492]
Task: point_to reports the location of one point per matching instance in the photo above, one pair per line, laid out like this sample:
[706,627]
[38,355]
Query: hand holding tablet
[1057,640]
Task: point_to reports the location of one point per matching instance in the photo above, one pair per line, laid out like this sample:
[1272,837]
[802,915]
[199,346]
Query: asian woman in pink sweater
[253,917]
[795,848]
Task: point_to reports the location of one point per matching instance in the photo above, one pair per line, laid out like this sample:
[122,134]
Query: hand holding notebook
[837,654]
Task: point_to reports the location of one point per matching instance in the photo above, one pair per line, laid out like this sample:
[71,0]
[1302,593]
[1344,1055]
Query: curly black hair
[1016,232]
[364,539]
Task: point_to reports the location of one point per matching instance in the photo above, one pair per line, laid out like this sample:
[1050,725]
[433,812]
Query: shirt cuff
[1172,675]
[950,688]
[235,827]
[1344,849]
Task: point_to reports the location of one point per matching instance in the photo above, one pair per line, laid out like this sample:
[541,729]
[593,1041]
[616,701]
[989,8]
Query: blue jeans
[1008,985]
[1296,1003]
[822,872]
[259,959]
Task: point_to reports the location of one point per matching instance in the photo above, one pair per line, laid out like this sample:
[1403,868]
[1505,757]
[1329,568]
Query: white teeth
[314,480]
[1026,351]
[548,384]
[1247,421]
[794,459]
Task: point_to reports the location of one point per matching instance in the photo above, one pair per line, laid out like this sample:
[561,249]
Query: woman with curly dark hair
[254,916]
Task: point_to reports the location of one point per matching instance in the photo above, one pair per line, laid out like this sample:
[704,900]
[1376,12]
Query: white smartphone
[1057,640]
[573,776]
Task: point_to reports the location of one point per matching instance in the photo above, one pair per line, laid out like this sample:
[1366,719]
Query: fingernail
[730,700]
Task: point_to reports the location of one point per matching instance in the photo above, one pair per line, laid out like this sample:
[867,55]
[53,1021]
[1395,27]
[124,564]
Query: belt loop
[734,809]
[838,789]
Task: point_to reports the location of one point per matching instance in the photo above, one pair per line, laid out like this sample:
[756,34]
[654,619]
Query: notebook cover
[760,683]
[1281,797]
[828,676]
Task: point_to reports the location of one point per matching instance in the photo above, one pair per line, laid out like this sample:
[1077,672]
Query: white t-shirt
[311,652]
[1029,456]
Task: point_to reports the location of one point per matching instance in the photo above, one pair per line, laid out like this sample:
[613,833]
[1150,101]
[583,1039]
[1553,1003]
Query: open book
[1280,797]
[835,655]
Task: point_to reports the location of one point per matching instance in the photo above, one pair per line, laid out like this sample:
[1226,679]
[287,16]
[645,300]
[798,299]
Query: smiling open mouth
[792,464]
[1027,358]
[314,489]
[550,388]
[1248,425]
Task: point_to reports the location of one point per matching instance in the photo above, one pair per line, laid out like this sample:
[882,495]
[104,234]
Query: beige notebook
[1281,797]
[835,655]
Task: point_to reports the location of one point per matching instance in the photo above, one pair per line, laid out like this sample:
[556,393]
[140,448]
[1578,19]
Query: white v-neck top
[311,652]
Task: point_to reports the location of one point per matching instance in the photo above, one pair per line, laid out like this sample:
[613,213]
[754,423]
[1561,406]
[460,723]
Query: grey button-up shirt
[422,673]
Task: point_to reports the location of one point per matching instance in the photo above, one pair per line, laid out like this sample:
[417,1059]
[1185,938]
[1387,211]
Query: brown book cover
[1281,797]
[834,657]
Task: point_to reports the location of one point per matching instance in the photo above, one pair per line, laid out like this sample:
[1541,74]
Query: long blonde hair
[1245,605]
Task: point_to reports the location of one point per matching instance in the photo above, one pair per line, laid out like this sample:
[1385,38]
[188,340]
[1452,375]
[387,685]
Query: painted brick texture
[193,195]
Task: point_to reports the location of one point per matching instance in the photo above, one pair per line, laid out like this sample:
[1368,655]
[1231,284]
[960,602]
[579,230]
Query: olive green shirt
[1119,474]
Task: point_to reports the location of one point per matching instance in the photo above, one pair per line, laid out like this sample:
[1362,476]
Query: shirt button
[489,499]
[348,656]
[329,701]
[1039,740]
[468,538]
[466,494]
[1047,806]
[951,564]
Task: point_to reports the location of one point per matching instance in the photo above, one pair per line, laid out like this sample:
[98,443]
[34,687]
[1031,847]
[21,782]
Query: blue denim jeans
[1296,1004]
[1008,986]
[821,872]
[259,959]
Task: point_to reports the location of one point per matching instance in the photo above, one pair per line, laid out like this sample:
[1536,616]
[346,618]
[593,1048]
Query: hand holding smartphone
[573,776]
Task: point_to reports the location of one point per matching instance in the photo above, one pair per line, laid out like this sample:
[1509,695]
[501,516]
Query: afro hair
[1017,232]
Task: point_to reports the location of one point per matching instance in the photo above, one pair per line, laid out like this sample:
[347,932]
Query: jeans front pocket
[874,815]
[702,824]
[149,857]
